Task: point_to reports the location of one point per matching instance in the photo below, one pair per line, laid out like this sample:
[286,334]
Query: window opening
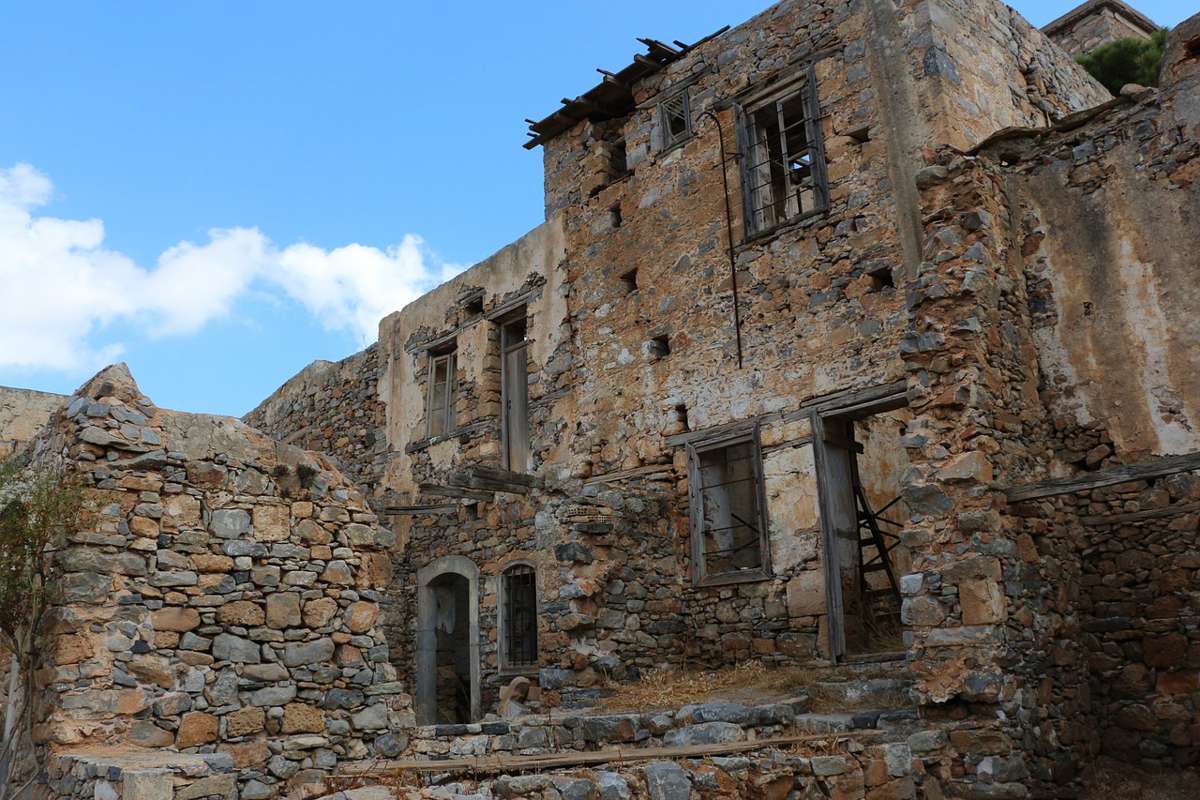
[783,171]
[676,117]
[442,391]
[514,392]
[520,616]
[728,511]
[474,307]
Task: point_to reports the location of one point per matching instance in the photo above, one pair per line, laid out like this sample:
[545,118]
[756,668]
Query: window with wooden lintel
[442,391]
[518,611]
[727,508]
[675,118]
[782,158]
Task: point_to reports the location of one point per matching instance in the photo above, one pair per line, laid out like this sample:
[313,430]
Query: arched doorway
[448,642]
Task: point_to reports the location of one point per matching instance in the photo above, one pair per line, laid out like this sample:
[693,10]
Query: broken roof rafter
[613,96]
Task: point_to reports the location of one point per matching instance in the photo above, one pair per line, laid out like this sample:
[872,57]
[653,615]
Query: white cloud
[60,285]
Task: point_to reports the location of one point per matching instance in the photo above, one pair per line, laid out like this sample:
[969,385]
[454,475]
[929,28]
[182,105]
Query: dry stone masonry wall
[223,602]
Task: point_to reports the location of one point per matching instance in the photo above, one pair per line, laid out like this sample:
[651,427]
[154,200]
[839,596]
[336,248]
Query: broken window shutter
[812,115]
[743,159]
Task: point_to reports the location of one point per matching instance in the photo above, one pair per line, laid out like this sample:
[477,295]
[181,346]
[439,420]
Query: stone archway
[448,642]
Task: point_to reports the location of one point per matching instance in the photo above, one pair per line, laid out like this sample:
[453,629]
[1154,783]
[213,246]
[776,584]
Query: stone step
[867,693]
[882,719]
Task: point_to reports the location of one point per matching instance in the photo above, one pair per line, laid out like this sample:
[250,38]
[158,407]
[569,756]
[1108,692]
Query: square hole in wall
[861,135]
[473,307]
[883,277]
[629,280]
[660,347]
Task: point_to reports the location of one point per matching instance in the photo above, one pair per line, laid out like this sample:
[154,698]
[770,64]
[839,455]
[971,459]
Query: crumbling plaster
[534,259]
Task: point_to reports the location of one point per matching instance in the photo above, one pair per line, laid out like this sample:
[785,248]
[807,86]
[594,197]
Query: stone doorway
[448,642]
[860,461]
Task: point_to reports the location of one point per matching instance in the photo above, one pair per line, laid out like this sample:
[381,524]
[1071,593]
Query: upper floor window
[728,510]
[442,384]
[518,609]
[783,162]
[675,117]
[514,391]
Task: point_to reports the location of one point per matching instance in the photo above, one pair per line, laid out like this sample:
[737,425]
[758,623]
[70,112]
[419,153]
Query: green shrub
[1127,61]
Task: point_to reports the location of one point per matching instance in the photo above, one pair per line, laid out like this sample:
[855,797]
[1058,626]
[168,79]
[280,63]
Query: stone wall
[995,621]
[1098,22]
[1132,553]
[1103,216]
[335,409]
[23,412]
[222,601]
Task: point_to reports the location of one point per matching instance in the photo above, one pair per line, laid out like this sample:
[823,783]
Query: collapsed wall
[332,408]
[222,605]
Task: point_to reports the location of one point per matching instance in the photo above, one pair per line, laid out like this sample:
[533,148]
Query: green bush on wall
[1127,61]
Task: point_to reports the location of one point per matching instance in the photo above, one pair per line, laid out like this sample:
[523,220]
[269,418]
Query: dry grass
[1113,780]
[659,689]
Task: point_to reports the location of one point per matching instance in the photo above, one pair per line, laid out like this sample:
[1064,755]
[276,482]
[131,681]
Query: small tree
[1127,61]
[37,507]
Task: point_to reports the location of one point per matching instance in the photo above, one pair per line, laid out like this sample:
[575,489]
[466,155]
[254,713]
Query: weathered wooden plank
[1138,516]
[456,491]
[417,510]
[505,764]
[1168,465]
[627,474]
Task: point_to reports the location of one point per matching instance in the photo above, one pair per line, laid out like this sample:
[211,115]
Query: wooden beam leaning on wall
[1167,465]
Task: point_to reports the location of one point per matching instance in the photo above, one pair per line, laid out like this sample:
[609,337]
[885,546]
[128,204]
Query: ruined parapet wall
[1098,22]
[333,408]
[23,412]
[223,601]
[1108,240]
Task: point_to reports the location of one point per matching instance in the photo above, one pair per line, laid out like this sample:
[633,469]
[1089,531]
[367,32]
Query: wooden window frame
[776,93]
[519,314]
[449,357]
[700,576]
[684,98]
[503,603]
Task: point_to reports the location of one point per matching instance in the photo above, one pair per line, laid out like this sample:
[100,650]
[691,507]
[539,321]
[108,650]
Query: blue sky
[348,155]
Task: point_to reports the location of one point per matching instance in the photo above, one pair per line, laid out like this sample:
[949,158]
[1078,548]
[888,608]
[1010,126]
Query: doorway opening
[450,593]
[448,643]
[860,461]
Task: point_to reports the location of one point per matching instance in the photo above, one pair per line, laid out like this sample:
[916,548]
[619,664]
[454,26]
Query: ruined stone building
[858,336]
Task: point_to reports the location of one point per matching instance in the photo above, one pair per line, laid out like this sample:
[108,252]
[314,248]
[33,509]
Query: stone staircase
[842,700]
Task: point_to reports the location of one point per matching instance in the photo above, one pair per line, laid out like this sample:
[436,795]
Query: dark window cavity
[520,646]
[783,164]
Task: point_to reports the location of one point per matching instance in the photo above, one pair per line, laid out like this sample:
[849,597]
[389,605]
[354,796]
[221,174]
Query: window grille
[442,383]
[783,162]
[727,505]
[676,118]
[520,616]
